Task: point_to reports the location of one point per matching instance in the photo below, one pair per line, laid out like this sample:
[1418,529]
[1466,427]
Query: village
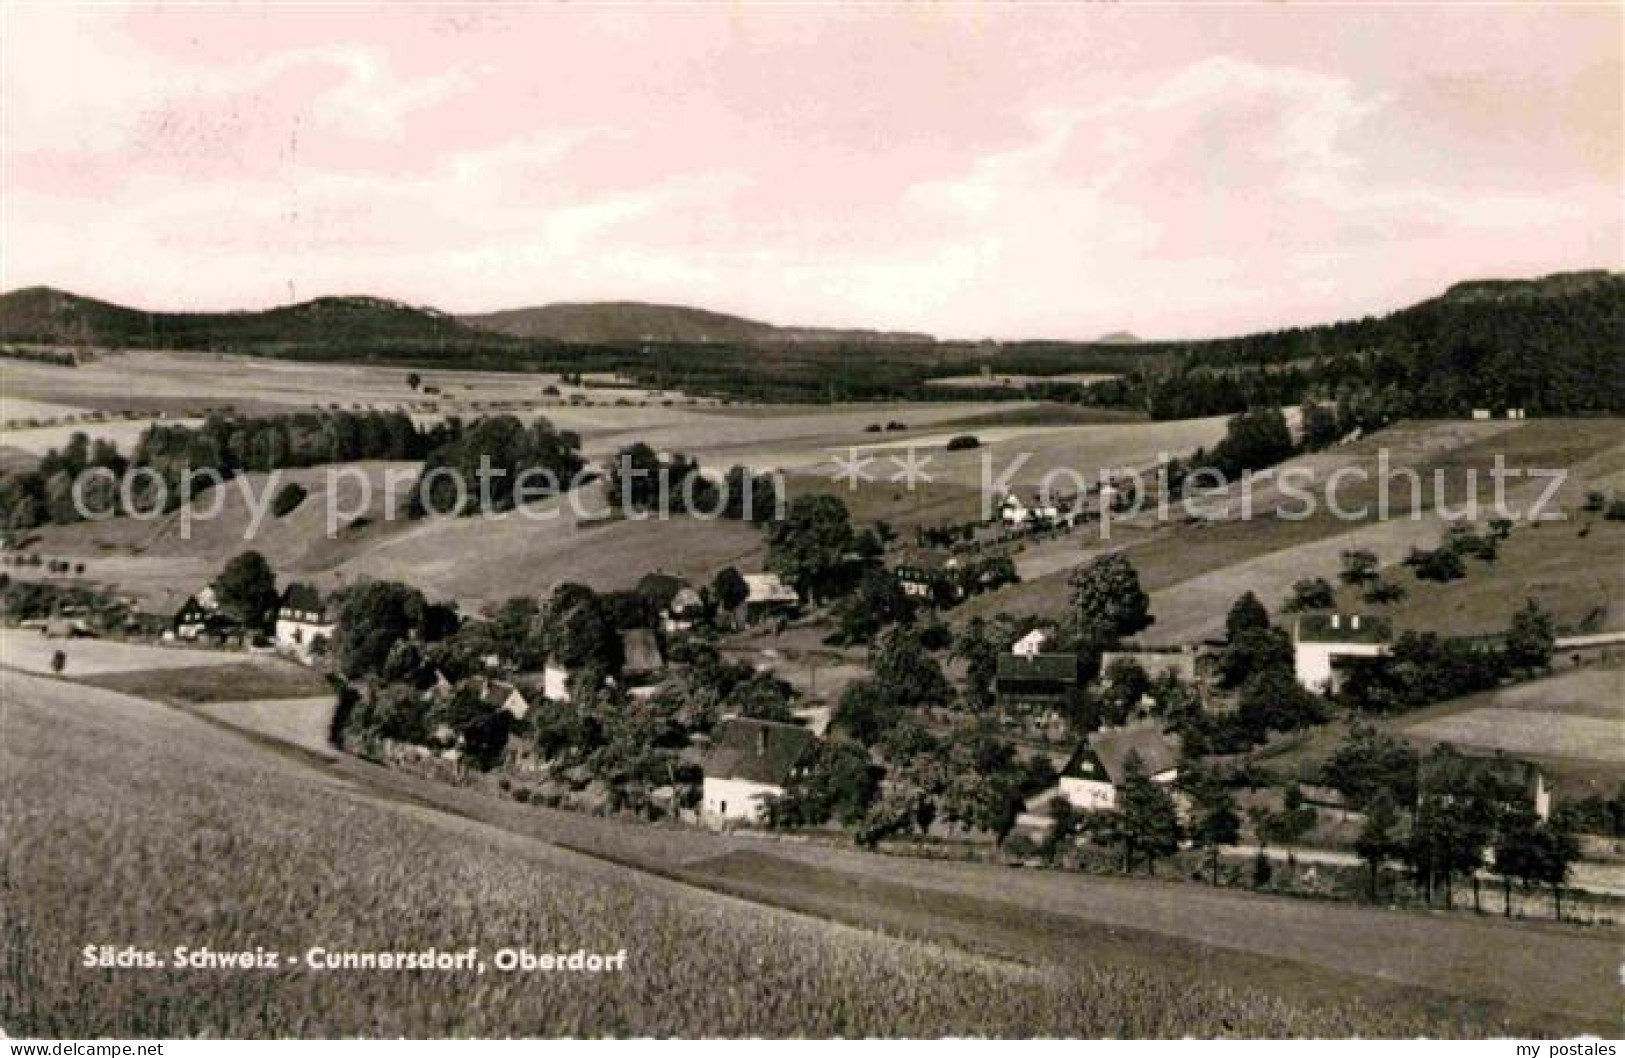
[1052,740]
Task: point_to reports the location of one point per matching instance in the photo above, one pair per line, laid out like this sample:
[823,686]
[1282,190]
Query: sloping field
[1195,571]
[123,823]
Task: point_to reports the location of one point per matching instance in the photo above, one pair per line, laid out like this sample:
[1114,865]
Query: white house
[302,618]
[767,595]
[749,762]
[1032,644]
[1320,640]
[1093,777]
[1015,512]
[555,682]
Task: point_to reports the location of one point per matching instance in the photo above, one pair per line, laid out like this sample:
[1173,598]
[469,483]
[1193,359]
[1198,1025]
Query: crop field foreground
[127,822]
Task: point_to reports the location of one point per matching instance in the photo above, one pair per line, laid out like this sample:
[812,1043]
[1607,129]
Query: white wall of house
[555,683]
[736,800]
[1313,661]
[299,635]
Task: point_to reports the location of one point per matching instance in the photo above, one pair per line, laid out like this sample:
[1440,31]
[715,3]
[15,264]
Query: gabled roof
[757,751]
[304,598]
[1342,628]
[640,651]
[1158,752]
[1055,667]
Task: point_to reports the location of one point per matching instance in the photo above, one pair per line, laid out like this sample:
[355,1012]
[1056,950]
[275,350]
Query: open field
[134,784]
[1577,715]
[27,649]
[303,722]
[261,678]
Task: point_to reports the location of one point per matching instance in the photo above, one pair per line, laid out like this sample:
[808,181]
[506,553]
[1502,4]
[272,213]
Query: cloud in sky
[963,170]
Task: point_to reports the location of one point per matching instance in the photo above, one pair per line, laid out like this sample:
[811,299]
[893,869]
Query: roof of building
[497,692]
[640,651]
[1158,752]
[303,598]
[167,606]
[768,587]
[1155,663]
[1342,628]
[757,750]
[1061,668]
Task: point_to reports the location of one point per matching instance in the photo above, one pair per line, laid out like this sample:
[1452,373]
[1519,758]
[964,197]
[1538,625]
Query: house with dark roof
[929,574]
[303,617]
[1092,779]
[1036,682]
[748,762]
[171,615]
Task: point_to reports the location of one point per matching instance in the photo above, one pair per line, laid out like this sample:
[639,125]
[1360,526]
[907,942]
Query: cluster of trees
[1444,816]
[639,479]
[494,464]
[222,445]
[1425,667]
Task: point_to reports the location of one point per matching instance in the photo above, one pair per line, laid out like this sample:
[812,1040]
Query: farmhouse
[749,762]
[1092,779]
[1035,683]
[1320,641]
[768,596]
[303,618]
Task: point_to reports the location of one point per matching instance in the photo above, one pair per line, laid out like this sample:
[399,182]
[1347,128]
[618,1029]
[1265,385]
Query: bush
[963,442]
[287,499]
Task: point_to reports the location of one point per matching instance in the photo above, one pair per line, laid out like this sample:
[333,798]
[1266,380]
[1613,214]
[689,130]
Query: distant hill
[43,314]
[615,322]
[1119,338]
[1562,284]
[1551,345]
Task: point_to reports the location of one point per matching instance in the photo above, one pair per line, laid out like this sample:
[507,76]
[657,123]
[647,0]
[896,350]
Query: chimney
[1337,620]
[1354,622]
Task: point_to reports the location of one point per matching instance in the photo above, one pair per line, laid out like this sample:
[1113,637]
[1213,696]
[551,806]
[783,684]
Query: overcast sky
[966,170]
